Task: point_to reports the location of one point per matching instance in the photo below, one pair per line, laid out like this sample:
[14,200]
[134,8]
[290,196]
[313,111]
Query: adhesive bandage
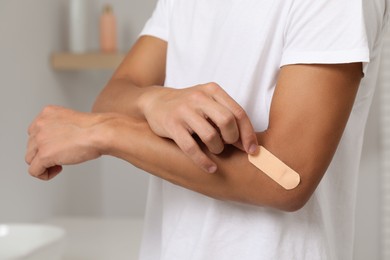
[275,169]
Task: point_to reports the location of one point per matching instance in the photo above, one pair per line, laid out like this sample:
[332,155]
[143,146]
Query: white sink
[31,242]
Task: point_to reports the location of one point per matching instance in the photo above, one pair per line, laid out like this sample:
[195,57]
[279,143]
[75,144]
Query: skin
[136,120]
[176,114]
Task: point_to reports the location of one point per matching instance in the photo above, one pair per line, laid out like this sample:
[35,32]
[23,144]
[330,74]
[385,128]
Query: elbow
[292,204]
[290,200]
[295,199]
[280,199]
[267,193]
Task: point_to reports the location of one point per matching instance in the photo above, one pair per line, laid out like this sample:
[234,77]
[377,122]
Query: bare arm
[309,111]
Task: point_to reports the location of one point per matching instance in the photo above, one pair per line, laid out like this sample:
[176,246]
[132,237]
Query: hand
[57,137]
[205,110]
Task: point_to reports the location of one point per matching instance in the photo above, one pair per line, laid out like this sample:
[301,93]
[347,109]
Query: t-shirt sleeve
[326,32]
[158,23]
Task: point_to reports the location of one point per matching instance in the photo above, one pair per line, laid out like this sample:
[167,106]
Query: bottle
[108,36]
[77,26]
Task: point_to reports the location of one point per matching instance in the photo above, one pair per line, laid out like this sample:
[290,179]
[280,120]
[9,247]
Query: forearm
[235,180]
[121,96]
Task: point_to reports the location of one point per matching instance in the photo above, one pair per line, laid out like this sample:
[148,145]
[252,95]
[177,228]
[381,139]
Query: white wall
[29,32]
[367,244]
[26,84]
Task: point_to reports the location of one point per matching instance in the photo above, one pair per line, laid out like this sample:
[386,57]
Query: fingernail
[253,149]
[212,169]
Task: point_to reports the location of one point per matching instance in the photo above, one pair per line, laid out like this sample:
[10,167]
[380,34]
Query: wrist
[113,132]
[103,132]
[147,98]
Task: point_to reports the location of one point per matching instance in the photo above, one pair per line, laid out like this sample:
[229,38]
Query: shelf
[86,61]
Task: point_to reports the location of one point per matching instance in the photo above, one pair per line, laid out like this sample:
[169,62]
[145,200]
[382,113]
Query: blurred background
[101,203]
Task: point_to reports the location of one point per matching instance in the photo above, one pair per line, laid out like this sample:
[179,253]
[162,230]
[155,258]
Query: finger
[206,132]
[246,130]
[35,125]
[36,169]
[239,145]
[54,171]
[47,175]
[39,166]
[247,135]
[190,148]
[224,120]
[219,113]
[31,128]
[31,150]
[44,176]
[43,173]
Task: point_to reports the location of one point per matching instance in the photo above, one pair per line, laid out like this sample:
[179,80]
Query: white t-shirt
[241,45]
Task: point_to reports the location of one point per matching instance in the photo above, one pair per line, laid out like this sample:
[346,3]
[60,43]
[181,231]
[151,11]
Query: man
[300,73]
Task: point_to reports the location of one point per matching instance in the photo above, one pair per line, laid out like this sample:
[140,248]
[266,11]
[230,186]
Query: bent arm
[309,111]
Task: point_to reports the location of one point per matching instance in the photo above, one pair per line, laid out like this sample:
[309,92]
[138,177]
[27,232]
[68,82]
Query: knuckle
[38,124]
[218,149]
[197,96]
[190,150]
[226,120]
[234,137]
[48,109]
[178,113]
[40,139]
[239,113]
[213,86]
[210,137]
